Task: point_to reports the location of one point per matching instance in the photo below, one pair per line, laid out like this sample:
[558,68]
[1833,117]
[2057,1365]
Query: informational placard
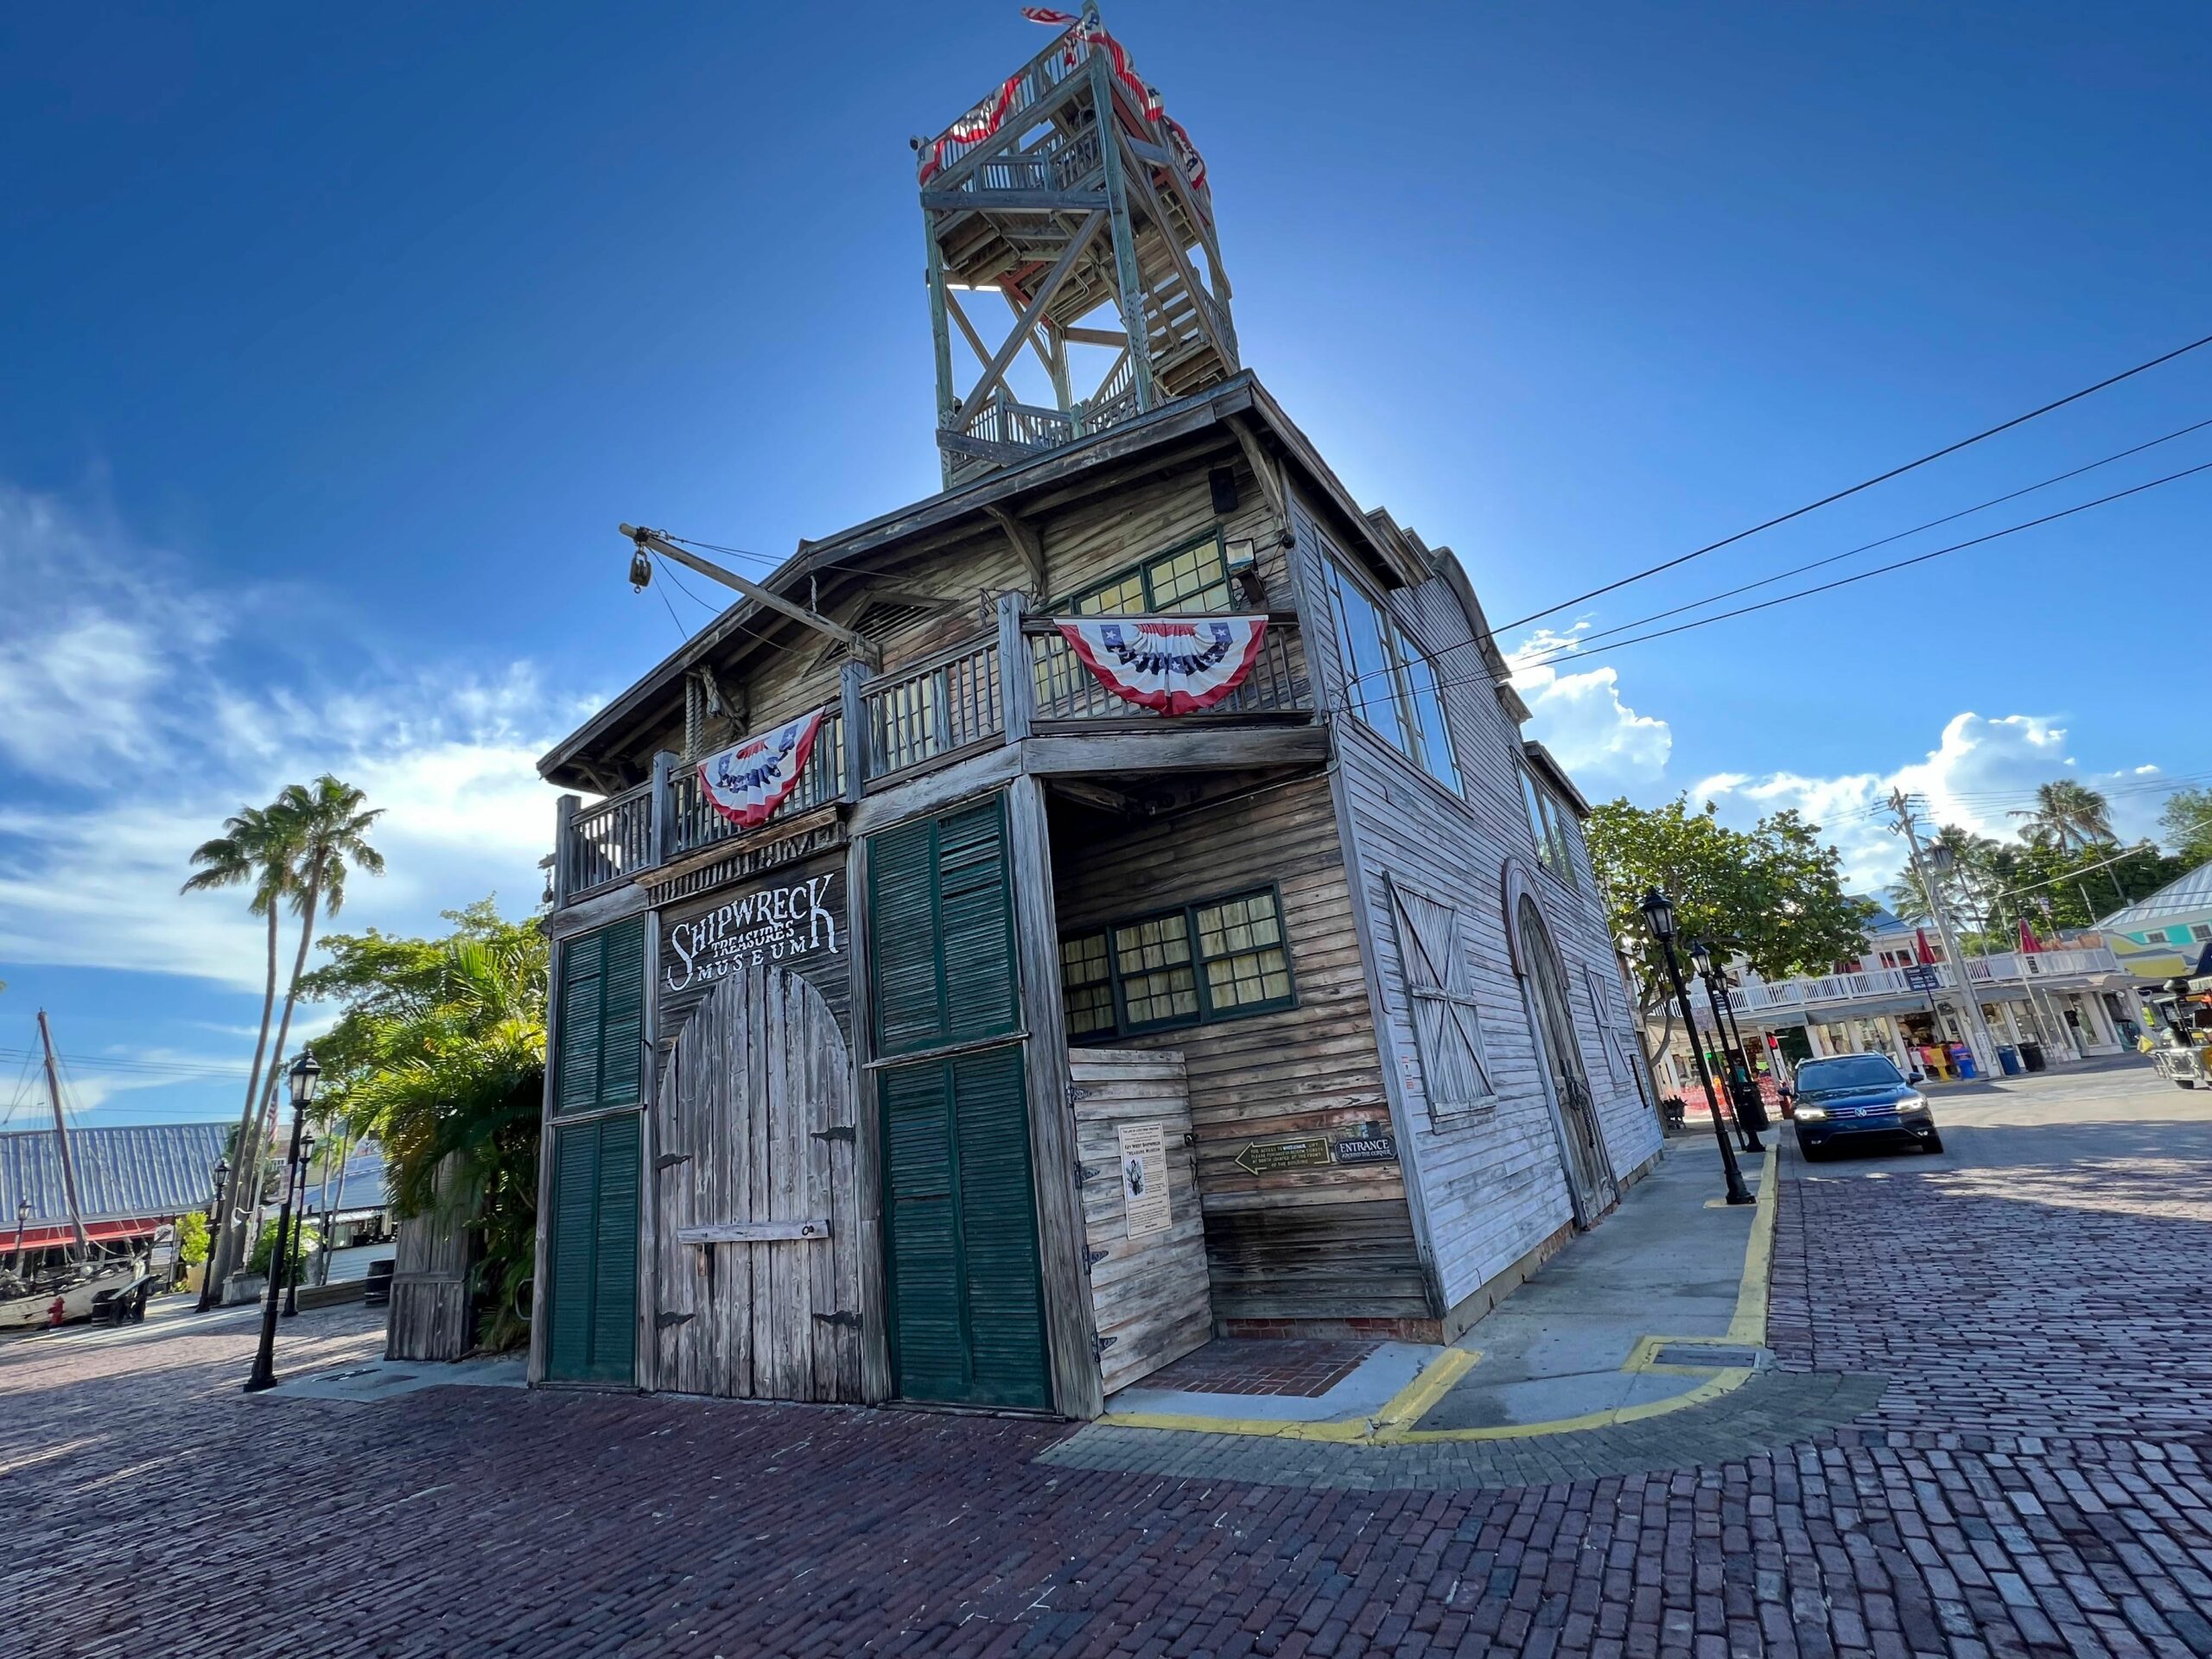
[1144,1179]
[1367,1149]
[1265,1157]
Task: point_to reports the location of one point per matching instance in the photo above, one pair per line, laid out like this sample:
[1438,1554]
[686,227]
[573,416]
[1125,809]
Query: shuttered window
[593,1251]
[966,1302]
[941,931]
[601,1018]
[1447,1018]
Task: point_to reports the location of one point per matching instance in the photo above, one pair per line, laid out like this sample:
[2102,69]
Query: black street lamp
[298,1175]
[207,1286]
[1743,1093]
[304,1075]
[1659,913]
[22,1216]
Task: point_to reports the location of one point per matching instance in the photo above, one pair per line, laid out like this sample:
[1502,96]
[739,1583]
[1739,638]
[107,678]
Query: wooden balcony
[918,719]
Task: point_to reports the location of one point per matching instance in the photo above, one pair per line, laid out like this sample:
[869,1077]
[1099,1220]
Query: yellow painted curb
[1393,1424]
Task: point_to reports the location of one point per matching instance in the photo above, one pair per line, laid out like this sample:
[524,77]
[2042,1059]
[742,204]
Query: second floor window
[1389,685]
[1191,578]
[1548,823]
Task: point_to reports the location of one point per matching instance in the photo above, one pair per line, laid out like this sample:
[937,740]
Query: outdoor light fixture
[307,1146]
[222,1172]
[1702,957]
[305,1076]
[1659,910]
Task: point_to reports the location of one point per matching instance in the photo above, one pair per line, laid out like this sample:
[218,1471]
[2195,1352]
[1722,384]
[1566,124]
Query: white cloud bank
[129,732]
[1579,717]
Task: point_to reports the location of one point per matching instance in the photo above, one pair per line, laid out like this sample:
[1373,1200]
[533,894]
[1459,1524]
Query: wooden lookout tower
[1073,194]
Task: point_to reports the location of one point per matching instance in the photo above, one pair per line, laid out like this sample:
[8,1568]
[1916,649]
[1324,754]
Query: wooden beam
[753,1232]
[1014,201]
[1201,299]
[1024,537]
[858,645]
[1111,337]
[975,340]
[1263,469]
[995,371]
[1193,750]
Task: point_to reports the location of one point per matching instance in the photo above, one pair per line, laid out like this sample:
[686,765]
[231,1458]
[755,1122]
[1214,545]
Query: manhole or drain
[1705,1354]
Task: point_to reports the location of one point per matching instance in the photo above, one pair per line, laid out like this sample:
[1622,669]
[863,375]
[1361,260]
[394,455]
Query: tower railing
[1029,86]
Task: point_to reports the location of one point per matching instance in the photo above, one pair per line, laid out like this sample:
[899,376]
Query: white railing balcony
[2005,968]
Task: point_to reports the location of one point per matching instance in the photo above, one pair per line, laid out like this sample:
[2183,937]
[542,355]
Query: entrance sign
[1264,1157]
[747,782]
[1144,1179]
[1367,1149]
[1174,665]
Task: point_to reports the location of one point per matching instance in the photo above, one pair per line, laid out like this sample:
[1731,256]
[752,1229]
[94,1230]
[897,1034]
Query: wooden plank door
[756,1251]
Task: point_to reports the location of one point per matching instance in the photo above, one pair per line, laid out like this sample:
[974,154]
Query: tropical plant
[191,1238]
[2187,821]
[2066,814]
[256,847]
[1774,891]
[440,1055]
[304,1242]
[329,824]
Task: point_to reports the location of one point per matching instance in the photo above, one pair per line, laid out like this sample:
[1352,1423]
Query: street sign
[1921,976]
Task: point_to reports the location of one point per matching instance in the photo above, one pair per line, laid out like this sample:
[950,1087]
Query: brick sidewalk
[2032,1481]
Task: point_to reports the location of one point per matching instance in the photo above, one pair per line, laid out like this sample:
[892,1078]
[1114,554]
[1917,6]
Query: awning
[100,1232]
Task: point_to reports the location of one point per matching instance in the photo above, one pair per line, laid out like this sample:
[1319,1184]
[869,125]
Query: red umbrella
[1926,955]
[2028,940]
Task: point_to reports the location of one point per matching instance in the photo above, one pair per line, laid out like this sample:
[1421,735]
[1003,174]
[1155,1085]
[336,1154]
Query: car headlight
[1812,1114]
[1913,1103]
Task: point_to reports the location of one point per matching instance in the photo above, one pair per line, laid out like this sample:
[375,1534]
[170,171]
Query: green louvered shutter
[592,1302]
[576,1088]
[922,1227]
[622,1013]
[902,940]
[975,923]
[1005,1300]
[614,1278]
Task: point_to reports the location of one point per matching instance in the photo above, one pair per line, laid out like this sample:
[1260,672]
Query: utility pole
[1986,1047]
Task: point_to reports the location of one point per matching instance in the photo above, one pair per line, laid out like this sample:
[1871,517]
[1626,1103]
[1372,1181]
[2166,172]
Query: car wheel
[1933,1143]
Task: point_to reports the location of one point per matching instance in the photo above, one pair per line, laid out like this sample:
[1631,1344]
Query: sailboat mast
[62,1137]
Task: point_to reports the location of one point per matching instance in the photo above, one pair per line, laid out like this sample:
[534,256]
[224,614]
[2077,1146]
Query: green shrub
[264,1248]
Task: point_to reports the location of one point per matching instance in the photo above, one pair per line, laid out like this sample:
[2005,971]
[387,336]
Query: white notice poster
[1144,1179]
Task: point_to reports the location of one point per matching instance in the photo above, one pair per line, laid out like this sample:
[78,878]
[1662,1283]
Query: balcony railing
[1068,690]
[2005,968]
[921,714]
[1027,86]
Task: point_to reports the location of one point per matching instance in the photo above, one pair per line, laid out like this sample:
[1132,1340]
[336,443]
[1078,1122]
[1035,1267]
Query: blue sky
[339,341]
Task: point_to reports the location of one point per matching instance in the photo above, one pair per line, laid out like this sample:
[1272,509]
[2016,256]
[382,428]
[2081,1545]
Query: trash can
[2031,1056]
[2008,1059]
[377,1293]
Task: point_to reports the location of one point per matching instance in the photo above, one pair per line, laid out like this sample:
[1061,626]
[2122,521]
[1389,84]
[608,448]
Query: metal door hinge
[670,1160]
[1100,1344]
[1092,1258]
[663,1319]
[843,1319]
[835,1132]
[1084,1174]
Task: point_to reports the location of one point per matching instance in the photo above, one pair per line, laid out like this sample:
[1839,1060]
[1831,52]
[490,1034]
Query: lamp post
[297,1175]
[304,1075]
[222,1174]
[23,1217]
[1659,914]
[1742,1091]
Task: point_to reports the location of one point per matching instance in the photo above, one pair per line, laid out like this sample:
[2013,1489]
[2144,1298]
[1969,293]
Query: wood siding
[1490,1185]
[1334,1242]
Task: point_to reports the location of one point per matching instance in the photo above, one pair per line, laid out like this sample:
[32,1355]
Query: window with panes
[1390,686]
[1218,959]
[1548,823]
[1193,576]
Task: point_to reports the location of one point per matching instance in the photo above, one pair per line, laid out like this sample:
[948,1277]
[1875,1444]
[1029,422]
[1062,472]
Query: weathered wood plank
[753,1232]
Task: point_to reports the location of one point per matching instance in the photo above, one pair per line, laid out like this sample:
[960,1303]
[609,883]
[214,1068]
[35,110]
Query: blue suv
[1859,1097]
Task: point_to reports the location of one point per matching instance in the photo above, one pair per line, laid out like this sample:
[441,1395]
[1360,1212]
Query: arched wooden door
[1589,1172]
[756,1235]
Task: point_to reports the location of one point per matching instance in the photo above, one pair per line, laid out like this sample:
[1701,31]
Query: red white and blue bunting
[747,782]
[1174,666]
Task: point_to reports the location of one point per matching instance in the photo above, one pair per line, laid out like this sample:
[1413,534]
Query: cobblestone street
[2022,1326]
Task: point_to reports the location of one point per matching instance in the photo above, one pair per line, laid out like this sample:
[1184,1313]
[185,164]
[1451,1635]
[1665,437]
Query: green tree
[329,823]
[304,1242]
[1776,891]
[258,848]
[2067,814]
[2187,822]
[441,1051]
[191,1238]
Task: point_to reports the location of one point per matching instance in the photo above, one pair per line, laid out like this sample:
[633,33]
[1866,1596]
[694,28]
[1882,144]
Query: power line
[1883,478]
[1868,547]
[1571,652]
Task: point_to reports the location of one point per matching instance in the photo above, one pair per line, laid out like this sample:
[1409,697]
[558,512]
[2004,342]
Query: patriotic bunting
[1174,666]
[989,116]
[748,781]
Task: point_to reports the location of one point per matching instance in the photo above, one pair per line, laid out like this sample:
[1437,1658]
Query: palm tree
[256,847]
[2067,814]
[330,829]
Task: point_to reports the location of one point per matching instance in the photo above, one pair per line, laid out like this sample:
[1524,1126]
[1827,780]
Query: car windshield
[1846,1072]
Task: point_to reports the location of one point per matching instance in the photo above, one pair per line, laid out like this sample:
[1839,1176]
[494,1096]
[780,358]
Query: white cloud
[1980,772]
[1579,717]
[131,730]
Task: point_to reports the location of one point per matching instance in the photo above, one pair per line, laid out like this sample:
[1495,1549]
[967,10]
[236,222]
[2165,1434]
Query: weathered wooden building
[1034,1034]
